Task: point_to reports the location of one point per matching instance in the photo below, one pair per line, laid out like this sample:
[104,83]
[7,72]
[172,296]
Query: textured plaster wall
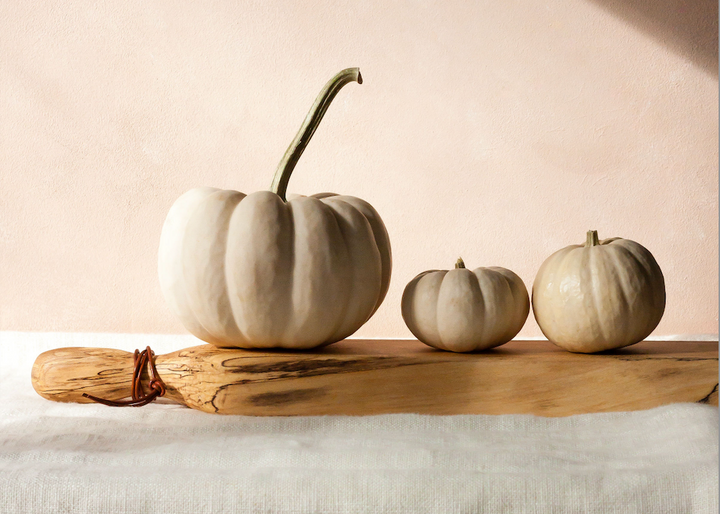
[495,131]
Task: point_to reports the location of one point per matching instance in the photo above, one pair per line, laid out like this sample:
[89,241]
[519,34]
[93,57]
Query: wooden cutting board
[360,377]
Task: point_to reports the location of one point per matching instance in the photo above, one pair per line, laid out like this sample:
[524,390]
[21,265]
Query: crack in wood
[314,367]
[706,398]
[215,395]
[286,397]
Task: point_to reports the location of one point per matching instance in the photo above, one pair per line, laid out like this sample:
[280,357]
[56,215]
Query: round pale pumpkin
[258,271]
[464,311]
[599,296]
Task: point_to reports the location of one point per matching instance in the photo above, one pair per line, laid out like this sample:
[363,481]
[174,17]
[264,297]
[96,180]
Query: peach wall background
[495,131]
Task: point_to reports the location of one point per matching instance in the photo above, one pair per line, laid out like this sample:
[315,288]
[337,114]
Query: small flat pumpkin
[462,310]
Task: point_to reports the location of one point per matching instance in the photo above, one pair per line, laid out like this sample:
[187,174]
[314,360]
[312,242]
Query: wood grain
[360,377]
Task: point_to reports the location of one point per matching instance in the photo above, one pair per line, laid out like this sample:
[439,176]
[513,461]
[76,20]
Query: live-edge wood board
[361,377]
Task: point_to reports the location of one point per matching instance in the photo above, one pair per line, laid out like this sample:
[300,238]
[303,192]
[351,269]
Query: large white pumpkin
[599,296]
[258,271]
[462,310]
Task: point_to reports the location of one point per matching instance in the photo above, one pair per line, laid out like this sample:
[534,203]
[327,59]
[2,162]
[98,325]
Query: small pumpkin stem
[460,264]
[312,120]
[592,238]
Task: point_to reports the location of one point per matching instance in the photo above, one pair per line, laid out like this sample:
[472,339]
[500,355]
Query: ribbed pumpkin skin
[464,311]
[256,272]
[594,298]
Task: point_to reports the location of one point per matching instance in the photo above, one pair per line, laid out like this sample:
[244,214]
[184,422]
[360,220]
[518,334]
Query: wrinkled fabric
[167,458]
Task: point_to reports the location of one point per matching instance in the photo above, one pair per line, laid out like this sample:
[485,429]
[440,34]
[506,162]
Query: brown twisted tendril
[139,398]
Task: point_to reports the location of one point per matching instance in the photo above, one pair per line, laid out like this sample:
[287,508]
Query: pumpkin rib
[490,315]
[382,241]
[513,301]
[285,338]
[463,311]
[431,322]
[439,306]
[340,318]
[596,291]
[199,285]
[522,290]
[255,280]
[490,320]
[567,261]
[513,323]
[542,290]
[239,331]
[202,332]
[510,302]
[170,258]
[624,280]
[348,325]
[649,269]
[519,317]
[556,287]
[315,257]
[406,307]
[409,307]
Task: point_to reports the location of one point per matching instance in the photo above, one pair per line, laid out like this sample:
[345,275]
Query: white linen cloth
[167,458]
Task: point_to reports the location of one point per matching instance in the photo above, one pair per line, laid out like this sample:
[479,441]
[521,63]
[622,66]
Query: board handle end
[64,374]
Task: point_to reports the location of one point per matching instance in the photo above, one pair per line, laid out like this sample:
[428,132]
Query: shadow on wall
[688,27]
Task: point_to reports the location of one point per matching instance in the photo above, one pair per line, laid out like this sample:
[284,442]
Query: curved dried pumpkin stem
[312,120]
[460,264]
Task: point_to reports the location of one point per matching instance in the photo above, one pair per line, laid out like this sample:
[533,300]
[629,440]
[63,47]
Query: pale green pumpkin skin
[595,298]
[257,272]
[463,311]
